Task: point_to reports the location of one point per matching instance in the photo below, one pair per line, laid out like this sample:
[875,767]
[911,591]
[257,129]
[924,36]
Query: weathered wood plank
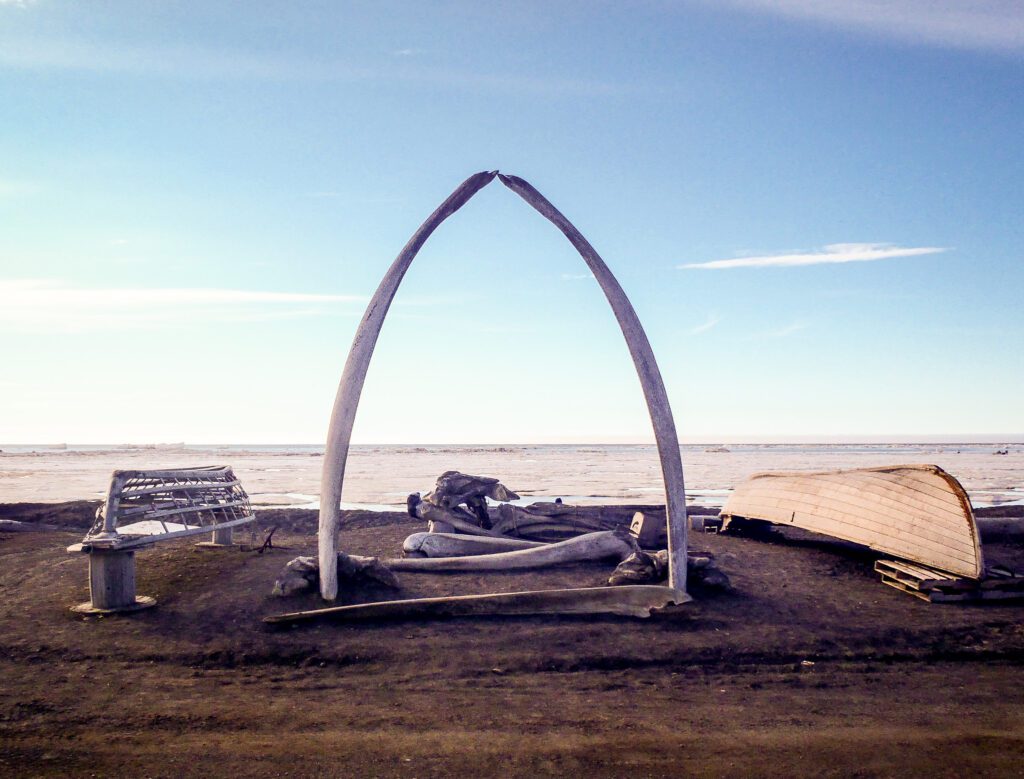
[637,600]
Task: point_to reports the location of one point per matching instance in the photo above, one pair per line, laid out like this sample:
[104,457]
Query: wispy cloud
[408,52]
[199,63]
[996,25]
[12,188]
[713,319]
[782,332]
[337,197]
[17,3]
[576,276]
[48,305]
[833,253]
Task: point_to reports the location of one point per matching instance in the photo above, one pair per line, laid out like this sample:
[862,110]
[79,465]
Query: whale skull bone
[460,545]
[590,546]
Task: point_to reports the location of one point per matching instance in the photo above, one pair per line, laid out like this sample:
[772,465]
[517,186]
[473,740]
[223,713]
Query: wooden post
[220,538]
[112,583]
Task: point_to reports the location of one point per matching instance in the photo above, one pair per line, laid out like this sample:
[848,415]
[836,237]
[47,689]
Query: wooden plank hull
[915,512]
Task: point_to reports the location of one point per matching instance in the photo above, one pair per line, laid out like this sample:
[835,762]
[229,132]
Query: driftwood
[303,573]
[350,388]
[268,542]
[458,545]
[592,546]
[630,601]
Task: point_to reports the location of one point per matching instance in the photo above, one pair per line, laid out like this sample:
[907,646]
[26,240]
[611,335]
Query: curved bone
[637,600]
[347,400]
[592,546]
[647,370]
[459,545]
[456,517]
[453,488]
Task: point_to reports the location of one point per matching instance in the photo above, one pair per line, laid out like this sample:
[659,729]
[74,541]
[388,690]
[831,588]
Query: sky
[815,207]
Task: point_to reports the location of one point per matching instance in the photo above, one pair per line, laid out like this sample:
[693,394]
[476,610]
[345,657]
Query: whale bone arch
[350,387]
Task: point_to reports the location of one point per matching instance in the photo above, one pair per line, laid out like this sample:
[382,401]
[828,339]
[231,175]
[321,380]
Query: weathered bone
[454,489]
[630,601]
[346,401]
[303,573]
[456,517]
[651,568]
[550,521]
[458,545]
[647,371]
[592,546]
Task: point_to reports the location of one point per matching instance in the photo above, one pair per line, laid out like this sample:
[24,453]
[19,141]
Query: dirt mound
[305,521]
[75,513]
[809,666]
[1015,511]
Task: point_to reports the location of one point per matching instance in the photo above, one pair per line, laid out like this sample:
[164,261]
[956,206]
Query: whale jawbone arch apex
[350,388]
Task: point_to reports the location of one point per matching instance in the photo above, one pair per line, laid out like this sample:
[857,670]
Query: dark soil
[810,666]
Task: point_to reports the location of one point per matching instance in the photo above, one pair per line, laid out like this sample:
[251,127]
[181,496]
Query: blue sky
[815,207]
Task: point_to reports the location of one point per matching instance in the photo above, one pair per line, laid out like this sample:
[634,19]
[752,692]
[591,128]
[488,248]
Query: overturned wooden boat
[916,512]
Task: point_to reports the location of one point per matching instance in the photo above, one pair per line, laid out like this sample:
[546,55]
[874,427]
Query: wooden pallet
[936,586]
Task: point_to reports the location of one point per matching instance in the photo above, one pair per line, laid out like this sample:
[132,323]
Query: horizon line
[929,438]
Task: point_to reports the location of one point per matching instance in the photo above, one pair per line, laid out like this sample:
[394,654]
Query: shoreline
[382,477]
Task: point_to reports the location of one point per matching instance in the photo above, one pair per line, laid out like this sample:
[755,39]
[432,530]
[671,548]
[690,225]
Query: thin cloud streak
[990,25]
[782,332]
[713,320]
[195,63]
[833,253]
[13,189]
[45,305]
[32,293]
